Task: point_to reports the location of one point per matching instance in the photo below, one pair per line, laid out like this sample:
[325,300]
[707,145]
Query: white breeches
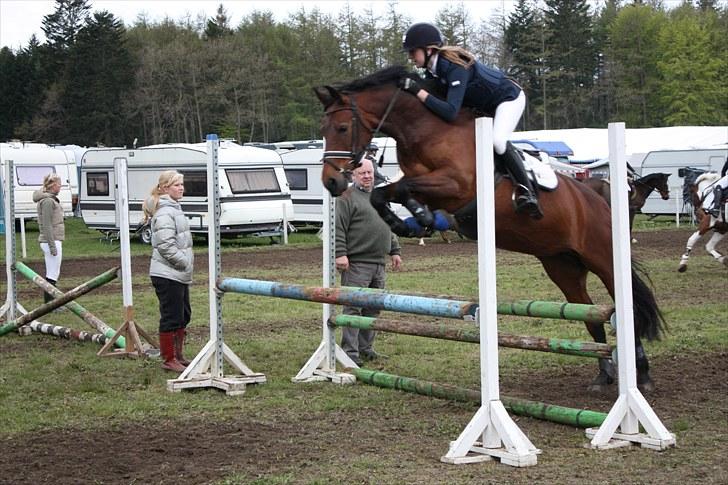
[507,116]
[52,263]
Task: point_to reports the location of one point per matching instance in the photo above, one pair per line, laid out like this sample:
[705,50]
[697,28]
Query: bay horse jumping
[640,189]
[438,162]
[702,186]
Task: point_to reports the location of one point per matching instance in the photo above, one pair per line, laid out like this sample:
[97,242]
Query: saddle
[540,173]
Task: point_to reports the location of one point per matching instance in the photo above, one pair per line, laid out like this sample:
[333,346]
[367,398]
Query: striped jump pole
[581,418]
[463,333]
[67,333]
[419,305]
[82,289]
[73,306]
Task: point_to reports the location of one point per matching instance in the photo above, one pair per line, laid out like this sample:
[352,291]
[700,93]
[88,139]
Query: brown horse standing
[640,189]
[438,162]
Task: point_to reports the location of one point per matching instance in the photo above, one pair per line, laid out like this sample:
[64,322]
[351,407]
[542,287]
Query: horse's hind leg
[689,247]
[711,248]
[569,274]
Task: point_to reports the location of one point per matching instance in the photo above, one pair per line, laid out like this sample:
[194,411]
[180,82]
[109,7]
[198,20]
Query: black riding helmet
[421,35]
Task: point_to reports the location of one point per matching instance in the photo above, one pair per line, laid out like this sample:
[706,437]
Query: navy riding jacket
[478,86]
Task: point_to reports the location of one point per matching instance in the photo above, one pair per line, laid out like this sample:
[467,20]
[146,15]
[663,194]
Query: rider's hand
[410,85]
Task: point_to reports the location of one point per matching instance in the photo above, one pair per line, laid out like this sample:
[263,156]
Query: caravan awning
[552,148]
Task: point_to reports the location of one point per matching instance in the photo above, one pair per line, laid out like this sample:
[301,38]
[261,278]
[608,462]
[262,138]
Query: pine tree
[100,78]
[219,26]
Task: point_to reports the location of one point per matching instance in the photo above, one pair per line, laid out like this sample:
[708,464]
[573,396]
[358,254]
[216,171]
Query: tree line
[95,81]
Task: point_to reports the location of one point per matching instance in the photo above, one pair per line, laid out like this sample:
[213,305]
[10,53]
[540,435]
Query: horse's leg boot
[526,199]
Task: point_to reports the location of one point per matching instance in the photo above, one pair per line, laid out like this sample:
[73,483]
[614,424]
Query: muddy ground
[192,451]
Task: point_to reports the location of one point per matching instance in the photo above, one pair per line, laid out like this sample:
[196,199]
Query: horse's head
[662,186]
[353,114]
[347,133]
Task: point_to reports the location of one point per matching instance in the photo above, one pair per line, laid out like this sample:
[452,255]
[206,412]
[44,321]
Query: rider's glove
[410,85]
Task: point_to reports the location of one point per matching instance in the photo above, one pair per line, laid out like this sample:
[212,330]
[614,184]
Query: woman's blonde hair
[456,54]
[166,179]
[49,180]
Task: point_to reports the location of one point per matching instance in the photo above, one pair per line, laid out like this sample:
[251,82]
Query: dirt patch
[195,451]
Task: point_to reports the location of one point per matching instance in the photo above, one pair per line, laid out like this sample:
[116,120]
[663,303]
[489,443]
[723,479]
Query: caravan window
[32,175]
[297,178]
[97,183]
[195,183]
[246,181]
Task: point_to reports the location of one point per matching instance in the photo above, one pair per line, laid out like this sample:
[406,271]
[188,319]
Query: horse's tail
[648,319]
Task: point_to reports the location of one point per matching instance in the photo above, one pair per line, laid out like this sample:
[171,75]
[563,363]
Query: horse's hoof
[646,387]
[634,241]
[682,268]
[598,388]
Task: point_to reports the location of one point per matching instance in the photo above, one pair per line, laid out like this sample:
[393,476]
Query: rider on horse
[470,83]
[719,192]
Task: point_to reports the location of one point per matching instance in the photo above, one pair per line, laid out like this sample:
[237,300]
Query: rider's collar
[433,63]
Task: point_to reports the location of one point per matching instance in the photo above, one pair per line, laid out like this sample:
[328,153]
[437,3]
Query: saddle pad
[540,172]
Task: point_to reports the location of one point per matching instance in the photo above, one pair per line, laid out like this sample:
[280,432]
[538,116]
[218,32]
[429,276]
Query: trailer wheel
[145,234]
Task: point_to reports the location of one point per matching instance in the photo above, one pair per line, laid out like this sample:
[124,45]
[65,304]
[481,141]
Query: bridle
[354,157]
[664,194]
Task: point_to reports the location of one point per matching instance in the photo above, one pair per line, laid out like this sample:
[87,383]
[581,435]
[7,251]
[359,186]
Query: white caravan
[671,161]
[254,195]
[302,163]
[32,162]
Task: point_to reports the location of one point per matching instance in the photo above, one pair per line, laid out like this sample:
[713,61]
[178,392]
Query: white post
[11,299]
[23,246]
[499,435]
[321,366]
[207,368]
[122,219]
[678,196]
[285,224]
[631,408]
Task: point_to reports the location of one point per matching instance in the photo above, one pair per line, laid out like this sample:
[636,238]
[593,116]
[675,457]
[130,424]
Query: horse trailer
[254,195]
[302,164]
[32,162]
[671,161]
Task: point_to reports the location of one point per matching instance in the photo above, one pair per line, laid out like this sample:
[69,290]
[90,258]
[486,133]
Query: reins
[355,157]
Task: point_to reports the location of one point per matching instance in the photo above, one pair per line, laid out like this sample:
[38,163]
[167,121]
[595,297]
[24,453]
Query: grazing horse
[438,162]
[640,189]
[703,185]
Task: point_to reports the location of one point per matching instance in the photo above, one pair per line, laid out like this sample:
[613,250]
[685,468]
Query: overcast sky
[19,19]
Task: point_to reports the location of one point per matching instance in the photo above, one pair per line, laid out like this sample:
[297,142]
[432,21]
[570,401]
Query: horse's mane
[707,177]
[383,77]
[390,76]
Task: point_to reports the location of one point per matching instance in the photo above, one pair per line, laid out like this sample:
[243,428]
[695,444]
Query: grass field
[67,416]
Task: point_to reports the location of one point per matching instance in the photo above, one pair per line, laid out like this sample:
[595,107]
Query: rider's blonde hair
[456,54]
[166,180]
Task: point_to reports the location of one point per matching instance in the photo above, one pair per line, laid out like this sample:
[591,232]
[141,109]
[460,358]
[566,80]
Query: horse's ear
[327,95]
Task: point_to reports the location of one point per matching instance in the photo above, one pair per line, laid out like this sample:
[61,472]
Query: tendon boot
[179,343]
[167,349]
[526,196]
[715,208]
[47,296]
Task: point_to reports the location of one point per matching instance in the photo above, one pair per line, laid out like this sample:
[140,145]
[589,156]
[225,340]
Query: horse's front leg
[688,249]
[380,199]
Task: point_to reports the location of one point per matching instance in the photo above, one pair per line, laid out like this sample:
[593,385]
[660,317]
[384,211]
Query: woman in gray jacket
[171,266]
[51,228]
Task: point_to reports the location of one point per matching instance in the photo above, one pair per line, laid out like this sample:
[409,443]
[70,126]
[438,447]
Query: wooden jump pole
[73,306]
[82,289]
[468,333]
[581,418]
[67,333]
[419,305]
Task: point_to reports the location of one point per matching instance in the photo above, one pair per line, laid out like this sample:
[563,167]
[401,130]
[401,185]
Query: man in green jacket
[363,241]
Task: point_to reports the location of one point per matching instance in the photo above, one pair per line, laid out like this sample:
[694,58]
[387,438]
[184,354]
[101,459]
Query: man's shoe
[371,355]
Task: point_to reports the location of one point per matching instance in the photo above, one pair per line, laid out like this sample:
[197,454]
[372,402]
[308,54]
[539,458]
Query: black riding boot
[47,296]
[526,196]
[717,195]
